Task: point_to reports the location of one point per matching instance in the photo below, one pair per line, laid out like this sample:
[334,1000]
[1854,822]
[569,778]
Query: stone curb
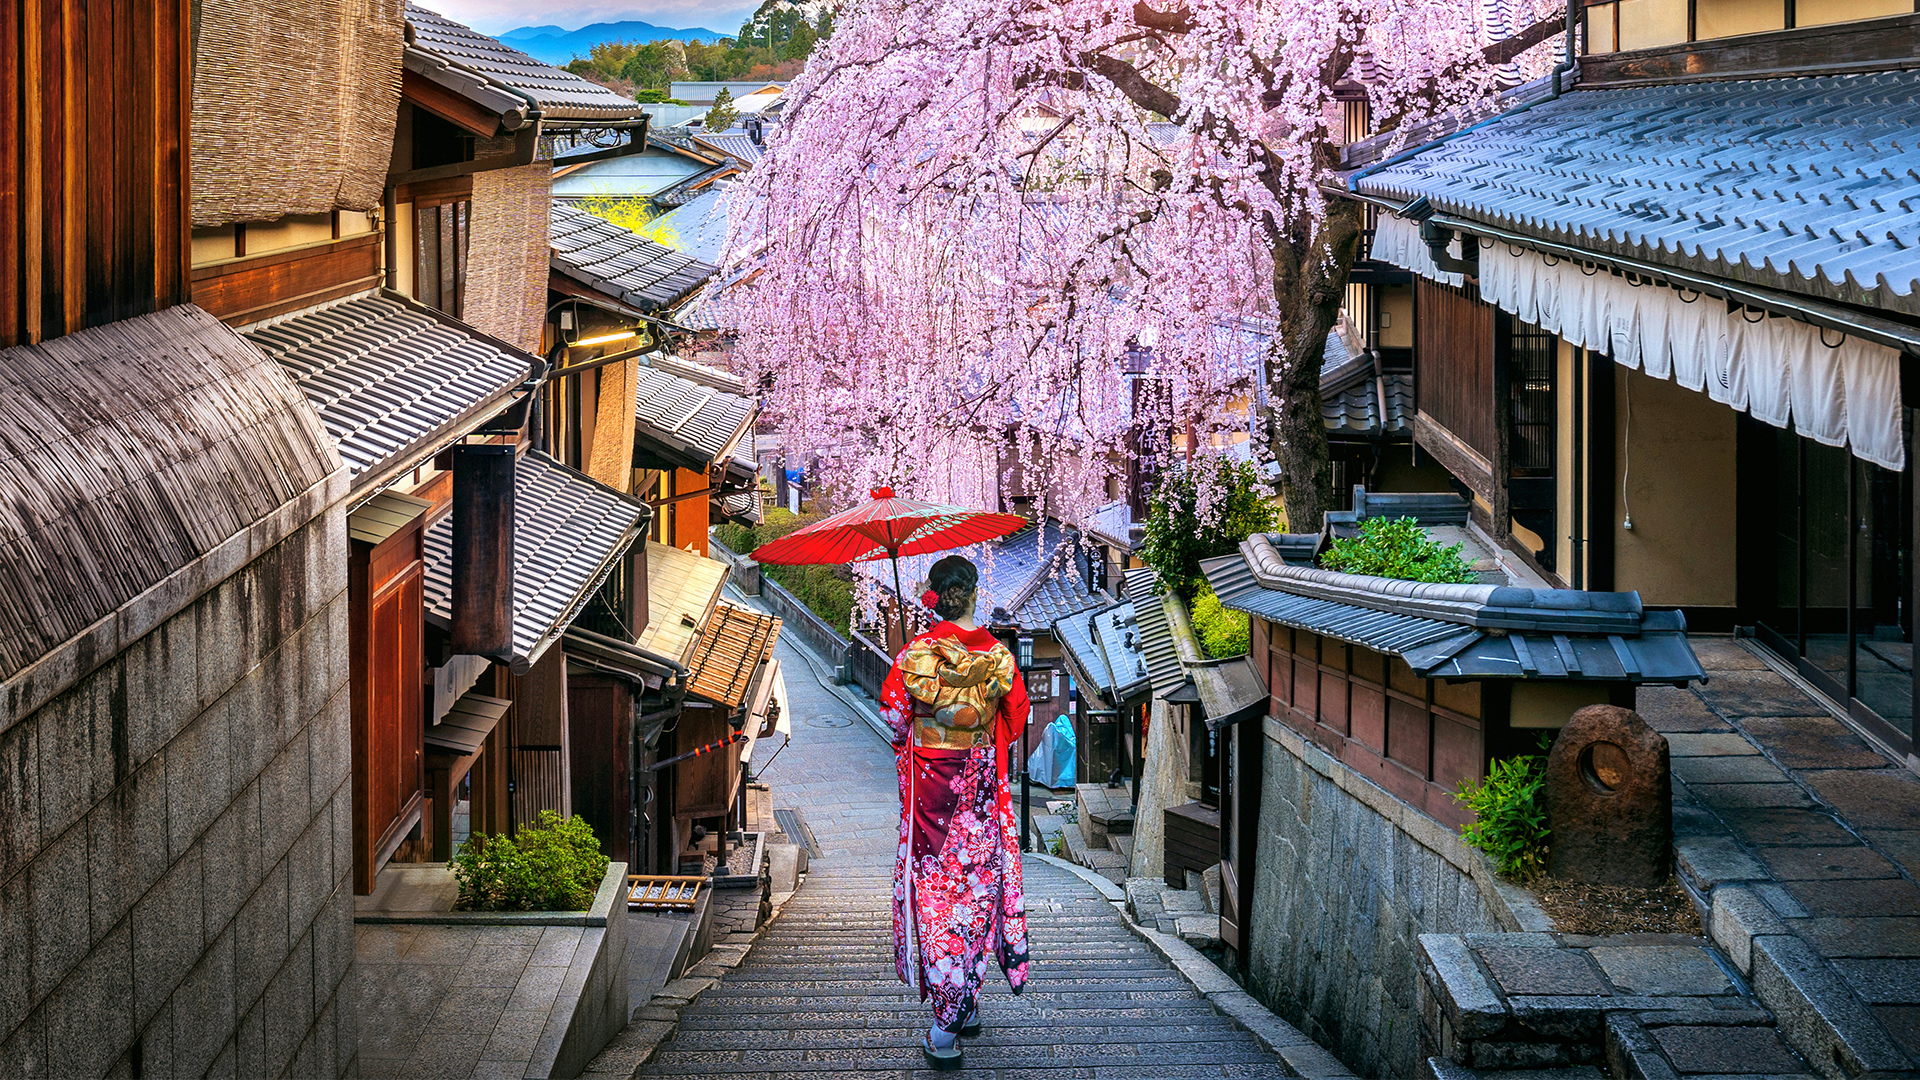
[1107,889]
[657,1021]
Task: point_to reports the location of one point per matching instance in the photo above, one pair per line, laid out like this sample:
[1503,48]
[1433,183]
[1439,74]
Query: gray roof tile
[617,263]
[561,95]
[568,530]
[1156,632]
[703,424]
[392,381]
[737,145]
[1810,185]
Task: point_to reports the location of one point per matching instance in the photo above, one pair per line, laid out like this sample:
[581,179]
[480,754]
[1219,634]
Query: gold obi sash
[956,692]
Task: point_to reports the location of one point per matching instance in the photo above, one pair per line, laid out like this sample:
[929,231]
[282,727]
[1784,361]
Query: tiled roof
[1809,185]
[1021,577]
[1350,399]
[732,644]
[560,95]
[1156,631]
[1113,524]
[695,371]
[737,145]
[1462,631]
[698,226]
[688,188]
[742,507]
[614,261]
[568,531]
[682,591]
[393,382]
[1105,646]
[697,424]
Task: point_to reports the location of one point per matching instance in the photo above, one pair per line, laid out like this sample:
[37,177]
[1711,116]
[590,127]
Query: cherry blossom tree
[974,210]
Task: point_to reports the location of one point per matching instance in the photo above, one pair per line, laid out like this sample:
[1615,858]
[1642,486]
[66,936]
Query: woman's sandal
[938,1059]
[970,1027]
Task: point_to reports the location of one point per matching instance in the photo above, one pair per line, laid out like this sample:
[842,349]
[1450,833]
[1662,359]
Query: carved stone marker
[1609,800]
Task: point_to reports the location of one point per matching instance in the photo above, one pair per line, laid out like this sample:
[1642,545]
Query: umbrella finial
[882,493]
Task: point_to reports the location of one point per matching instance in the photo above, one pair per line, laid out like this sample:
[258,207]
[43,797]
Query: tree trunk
[1309,283]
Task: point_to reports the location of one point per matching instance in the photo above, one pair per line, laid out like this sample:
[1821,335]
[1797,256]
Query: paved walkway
[817,996]
[1810,840]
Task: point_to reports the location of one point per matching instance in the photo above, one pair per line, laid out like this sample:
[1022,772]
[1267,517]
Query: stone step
[1442,1069]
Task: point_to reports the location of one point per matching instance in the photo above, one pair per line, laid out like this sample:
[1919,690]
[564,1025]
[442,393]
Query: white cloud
[498,16]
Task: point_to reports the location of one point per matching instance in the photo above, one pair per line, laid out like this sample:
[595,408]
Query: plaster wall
[1346,878]
[175,840]
[1674,459]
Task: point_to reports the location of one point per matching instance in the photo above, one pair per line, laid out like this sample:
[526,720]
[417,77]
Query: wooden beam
[247,287]
[1454,455]
[1871,45]
[424,93]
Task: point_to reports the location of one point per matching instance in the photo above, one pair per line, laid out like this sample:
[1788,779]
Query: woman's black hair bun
[955,578]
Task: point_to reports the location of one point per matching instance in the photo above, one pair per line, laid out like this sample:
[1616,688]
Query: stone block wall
[175,840]
[1346,879]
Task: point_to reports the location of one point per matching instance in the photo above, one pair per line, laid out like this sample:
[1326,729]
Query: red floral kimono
[956,702]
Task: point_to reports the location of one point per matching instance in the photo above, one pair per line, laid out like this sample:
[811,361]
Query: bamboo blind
[508,256]
[294,106]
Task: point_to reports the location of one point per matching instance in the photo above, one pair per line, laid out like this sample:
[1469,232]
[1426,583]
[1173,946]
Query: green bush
[553,865]
[827,591]
[1178,536]
[1398,549]
[1223,631]
[1511,811]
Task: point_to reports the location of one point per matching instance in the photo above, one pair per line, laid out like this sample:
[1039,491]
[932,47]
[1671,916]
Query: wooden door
[387,665]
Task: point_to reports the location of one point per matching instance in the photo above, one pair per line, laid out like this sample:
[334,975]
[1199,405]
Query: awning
[1230,690]
[466,726]
[1779,370]
[569,530]
[682,590]
[734,643]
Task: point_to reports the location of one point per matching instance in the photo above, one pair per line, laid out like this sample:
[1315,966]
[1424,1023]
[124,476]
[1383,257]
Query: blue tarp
[1052,761]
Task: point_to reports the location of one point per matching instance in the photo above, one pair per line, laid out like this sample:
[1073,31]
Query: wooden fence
[870,663]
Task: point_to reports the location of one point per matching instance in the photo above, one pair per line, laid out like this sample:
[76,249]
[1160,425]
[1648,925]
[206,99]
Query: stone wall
[175,840]
[1347,877]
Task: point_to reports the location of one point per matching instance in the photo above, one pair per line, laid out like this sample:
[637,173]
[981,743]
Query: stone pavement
[1805,841]
[816,994]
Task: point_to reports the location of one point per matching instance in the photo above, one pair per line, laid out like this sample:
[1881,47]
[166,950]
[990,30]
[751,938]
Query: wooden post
[483,549]
[637,601]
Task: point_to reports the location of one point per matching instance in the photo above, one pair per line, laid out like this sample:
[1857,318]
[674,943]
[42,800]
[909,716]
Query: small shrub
[1511,810]
[553,865]
[737,538]
[1223,631]
[1398,549]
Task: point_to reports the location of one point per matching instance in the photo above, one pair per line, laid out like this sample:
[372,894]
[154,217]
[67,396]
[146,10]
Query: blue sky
[496,16]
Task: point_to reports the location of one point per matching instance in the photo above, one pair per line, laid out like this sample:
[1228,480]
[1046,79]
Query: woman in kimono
[955,702]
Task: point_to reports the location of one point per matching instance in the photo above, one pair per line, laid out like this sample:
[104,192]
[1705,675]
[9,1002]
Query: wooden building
[170,582]
[1694,388]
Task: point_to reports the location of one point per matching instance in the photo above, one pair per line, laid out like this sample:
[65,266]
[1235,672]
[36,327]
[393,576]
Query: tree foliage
[976,206]
[1398,548]
[1223,631]
[1199,512]
[723,115]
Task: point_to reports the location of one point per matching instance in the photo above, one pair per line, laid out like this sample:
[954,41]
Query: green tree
[653,65]
[1183,527]
[606,57]
[723,115]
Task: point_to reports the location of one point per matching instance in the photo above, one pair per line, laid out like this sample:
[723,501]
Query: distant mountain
[557,45]
[532,32]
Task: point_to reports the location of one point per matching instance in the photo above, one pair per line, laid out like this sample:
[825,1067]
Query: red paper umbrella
[887,526]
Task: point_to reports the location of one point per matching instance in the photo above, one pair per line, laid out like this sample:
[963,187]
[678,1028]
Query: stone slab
[1755,693]
[1670,709]
[1883,982]
[1660,970]
[1900,845]
[1737,916]
[1903,1023]
[1871,798]
[1817,863]
[1710,860]
[1709,744]
[1727,770]
[1860,937]
[1856,897]
[1471,1003]
[1719,654]
[1811,742]
[1743,1050]
[1750,796]
[1817,1013]
[1784,827]
[1541,971]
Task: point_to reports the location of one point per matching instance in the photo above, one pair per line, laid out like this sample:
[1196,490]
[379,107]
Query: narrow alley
[817,996]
